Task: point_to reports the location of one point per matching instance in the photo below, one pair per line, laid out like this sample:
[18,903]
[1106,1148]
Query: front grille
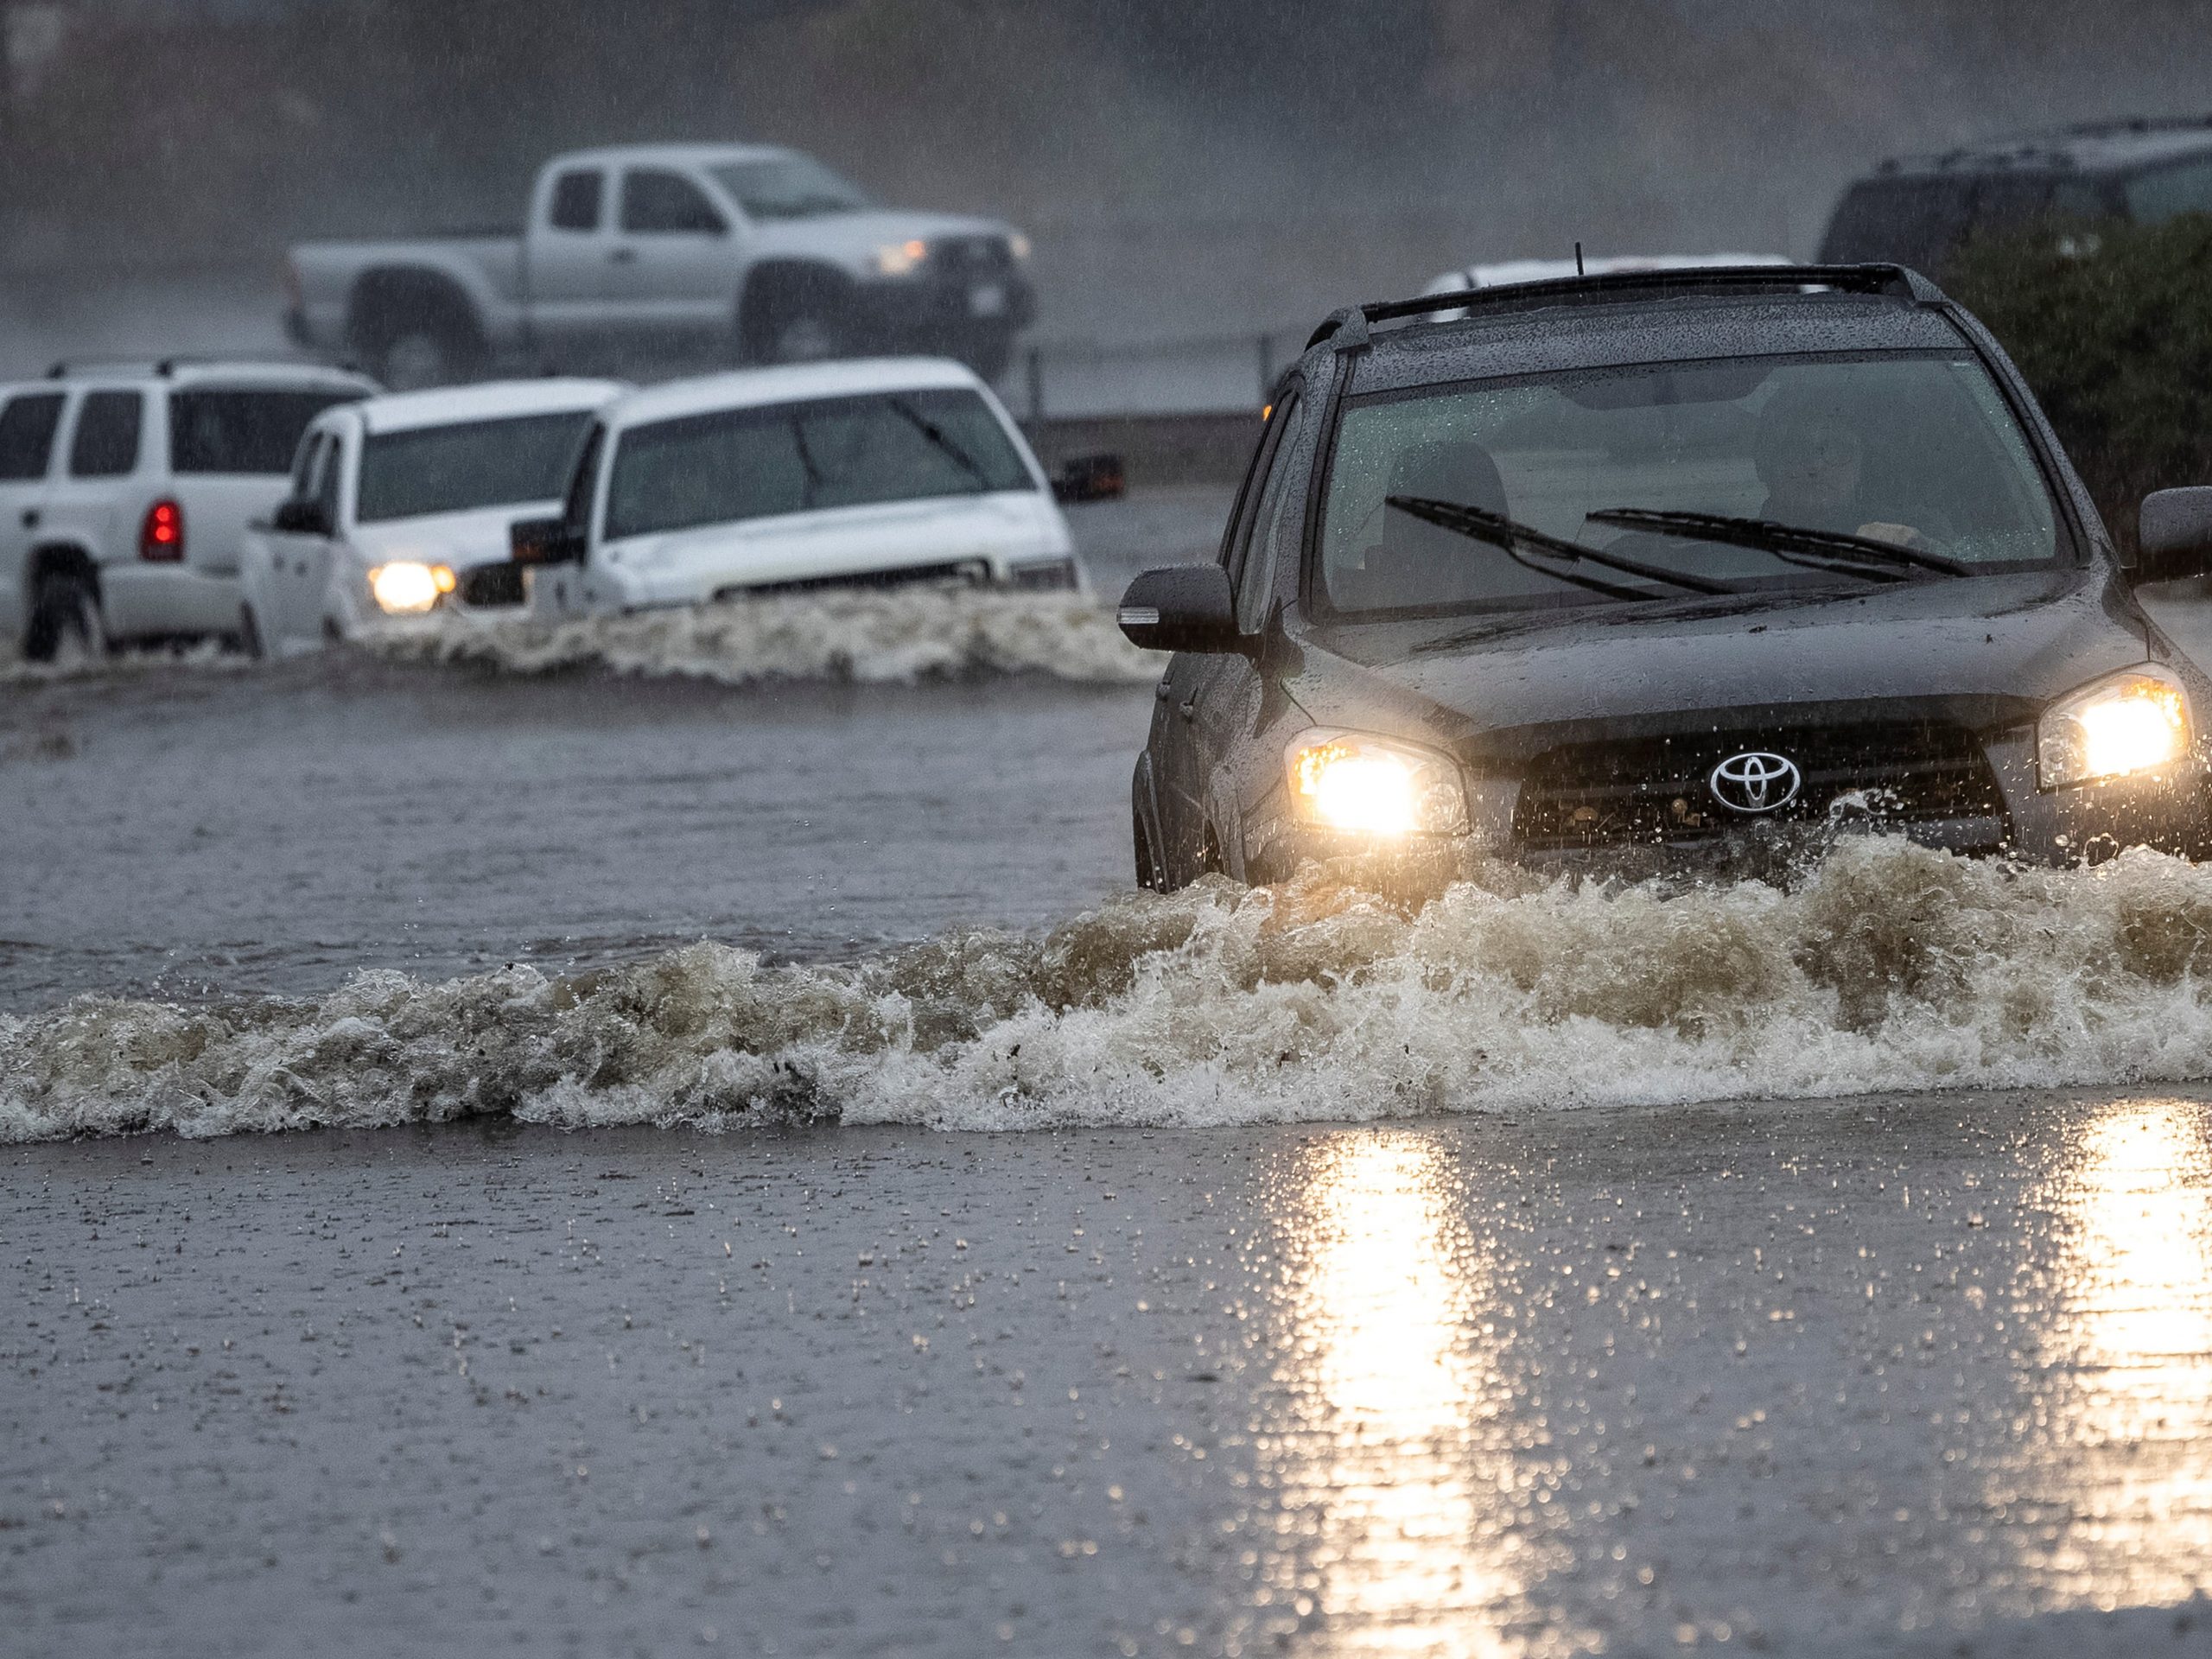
[971,258]
[489,586]
[969,572]
[1657,789]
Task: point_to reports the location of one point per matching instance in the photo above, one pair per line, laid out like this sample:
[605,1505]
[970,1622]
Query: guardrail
[1056,379]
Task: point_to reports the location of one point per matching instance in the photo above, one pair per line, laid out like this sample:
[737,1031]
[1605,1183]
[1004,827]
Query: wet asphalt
[1923,1376]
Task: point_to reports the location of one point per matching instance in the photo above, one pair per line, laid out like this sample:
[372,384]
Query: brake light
[162,536]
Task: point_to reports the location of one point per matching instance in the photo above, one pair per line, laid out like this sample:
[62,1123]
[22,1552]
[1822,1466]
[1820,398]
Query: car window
[332,475]
[583,481]
[26,428]
[106,442]
[243,433]
[476,464]
[2168,193]
[789,187]
[1915,450]
[1912,221]
[577,198]
[656,203]
[1252,564]
[837,451]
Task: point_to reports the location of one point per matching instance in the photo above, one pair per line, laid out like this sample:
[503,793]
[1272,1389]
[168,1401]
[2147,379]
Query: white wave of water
[872,636]
[1888,967]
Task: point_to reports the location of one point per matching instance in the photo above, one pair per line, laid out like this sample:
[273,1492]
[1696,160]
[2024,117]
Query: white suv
[126,491]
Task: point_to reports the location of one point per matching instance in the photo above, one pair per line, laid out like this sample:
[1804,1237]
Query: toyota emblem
[1756,782]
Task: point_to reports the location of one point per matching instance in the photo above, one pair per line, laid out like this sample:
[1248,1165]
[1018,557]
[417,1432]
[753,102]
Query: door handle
[30,518]
[623,256]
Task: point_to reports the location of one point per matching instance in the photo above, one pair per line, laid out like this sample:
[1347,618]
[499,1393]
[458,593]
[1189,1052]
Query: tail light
[161,538]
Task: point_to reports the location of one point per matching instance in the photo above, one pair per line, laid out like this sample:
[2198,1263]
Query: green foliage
[2113,327]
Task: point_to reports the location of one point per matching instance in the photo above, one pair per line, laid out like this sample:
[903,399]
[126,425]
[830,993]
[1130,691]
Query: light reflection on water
[1405,1510]
[2126,1362]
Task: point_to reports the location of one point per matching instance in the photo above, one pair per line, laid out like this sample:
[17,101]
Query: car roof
[790,384]
[1615,322]
[678,154]
[186,371]
[409,412]
[2088,147]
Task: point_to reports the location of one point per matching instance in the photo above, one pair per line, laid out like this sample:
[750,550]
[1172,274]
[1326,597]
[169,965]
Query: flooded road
[1927,1377]
[1542,1273]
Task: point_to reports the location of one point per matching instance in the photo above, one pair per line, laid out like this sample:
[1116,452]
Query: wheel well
[386,303]
[778,287]
[59,559]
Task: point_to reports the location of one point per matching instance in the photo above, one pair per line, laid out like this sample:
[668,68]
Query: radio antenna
[1578,261]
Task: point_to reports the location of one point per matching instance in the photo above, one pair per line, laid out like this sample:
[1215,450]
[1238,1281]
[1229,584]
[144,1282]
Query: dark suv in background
[1918,210]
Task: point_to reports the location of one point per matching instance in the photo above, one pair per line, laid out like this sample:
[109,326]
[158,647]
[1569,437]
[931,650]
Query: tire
[417,359]
[991,358]
[794,318]
[66,622]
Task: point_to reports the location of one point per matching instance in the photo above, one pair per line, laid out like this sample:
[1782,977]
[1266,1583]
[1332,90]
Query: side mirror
[1181,608]
[2174,536]
[1090,478]
[545,541]
[302,518]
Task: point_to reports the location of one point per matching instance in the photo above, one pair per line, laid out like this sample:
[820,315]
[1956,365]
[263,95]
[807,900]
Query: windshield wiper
[1519,542]
[1823,549]
[939,441]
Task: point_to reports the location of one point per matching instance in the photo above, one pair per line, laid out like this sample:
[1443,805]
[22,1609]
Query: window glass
[841,452]
[455,468]
[576,198]
[27,427]
[333,474]
[1918,451]
[662,204]
[241,433]
[106,444]
[2154,198]
[789,187]
[1254,568]
[583,480]
[1912,221]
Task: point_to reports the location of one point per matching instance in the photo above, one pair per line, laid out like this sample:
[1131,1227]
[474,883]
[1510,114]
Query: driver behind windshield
[1814,466]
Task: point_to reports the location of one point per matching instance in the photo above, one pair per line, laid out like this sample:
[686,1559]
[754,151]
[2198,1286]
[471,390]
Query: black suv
[1643,562]
[1918,209]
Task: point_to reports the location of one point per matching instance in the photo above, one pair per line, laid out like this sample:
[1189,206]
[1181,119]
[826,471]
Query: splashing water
[1890,967]
[874,637]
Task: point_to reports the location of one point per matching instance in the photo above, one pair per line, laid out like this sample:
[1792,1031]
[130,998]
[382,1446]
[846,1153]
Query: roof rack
[1349,327]
[2121,126]
[164,365]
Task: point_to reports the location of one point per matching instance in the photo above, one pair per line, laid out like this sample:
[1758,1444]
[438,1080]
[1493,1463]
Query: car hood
[687,566]
[1985,651]
[462,540]
[853,237]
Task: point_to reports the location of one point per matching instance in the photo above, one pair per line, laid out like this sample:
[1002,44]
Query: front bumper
[2086,824]
[943,312]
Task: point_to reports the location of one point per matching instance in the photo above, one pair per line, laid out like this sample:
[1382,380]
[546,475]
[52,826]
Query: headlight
[408,586]
[1018,245]
[2133,721]
[1370,786]
[899,258]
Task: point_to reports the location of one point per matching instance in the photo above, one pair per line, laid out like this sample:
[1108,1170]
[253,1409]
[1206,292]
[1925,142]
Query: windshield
[1915,453]
[788,187]
[839,451]
[243,433]
[458,468]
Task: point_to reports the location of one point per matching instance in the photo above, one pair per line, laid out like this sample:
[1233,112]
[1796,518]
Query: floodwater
[773,1187]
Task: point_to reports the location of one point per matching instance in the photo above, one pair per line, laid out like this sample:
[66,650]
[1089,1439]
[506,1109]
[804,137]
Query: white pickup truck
[688,254]
[866,474]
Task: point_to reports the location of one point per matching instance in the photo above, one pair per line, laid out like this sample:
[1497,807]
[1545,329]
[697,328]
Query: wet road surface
[1863,1378]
